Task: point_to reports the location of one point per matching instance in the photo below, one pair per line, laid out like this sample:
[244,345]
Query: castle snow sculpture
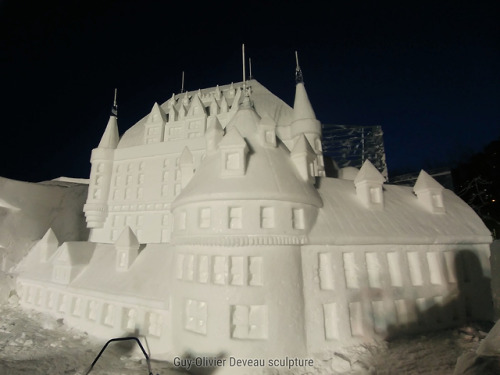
[213,229]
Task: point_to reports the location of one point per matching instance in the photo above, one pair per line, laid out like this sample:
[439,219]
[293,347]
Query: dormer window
[369,184]
[233,153]
[430,193]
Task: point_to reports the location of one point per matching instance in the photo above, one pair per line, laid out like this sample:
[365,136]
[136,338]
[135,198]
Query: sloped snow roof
[101,273]
[270,173]
[264,101]
[404,220]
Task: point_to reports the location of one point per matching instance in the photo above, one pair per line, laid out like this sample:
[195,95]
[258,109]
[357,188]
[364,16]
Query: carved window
[298,218]
[249,322]
[205,216]
[376,194]
[109,315]
[235,214]
[267,217]
[196,316]
[237,270]
[255,271]
[154,324]
[437,200]
[181,220]
[220,270]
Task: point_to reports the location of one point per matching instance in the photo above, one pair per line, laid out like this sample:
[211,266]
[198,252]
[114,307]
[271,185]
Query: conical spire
[302,108]
[110,136]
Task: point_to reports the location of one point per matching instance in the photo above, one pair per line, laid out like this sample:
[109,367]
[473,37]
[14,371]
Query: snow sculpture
[214,228]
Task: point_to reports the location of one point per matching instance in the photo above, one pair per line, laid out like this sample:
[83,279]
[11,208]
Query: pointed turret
[429,192]
[197,108]
[304,120]
[368,184]
[110,137]
[100,173]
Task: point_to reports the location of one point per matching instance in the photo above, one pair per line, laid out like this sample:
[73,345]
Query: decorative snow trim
[240,240]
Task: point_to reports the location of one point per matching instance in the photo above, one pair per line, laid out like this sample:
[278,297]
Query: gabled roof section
[426,182]
[197,107]
[157,114]
[74,253]
[368,172]
[213,126]
[267,121]
[186,157]
[127,239]
[110,136]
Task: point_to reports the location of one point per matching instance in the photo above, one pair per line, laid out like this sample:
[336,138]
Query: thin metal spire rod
[244,70]
[250,68]
[182,83]
[298,72]
[114,109]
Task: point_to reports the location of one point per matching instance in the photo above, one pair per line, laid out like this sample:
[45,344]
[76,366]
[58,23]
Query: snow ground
[36,344]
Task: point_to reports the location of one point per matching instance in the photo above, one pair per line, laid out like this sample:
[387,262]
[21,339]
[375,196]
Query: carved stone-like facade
[214,227]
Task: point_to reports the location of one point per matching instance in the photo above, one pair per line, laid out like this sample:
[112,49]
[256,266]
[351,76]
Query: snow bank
[28,210]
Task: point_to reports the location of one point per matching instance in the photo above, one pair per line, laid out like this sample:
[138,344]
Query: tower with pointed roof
[100,173]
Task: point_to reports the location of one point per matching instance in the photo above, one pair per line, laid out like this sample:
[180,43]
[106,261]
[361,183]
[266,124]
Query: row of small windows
[441,268]
[235,218]
[384,314]
[248,322]
[98,311]
[220,269]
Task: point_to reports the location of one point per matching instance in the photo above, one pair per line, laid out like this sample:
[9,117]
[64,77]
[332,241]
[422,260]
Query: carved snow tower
[213,228]
[239,225]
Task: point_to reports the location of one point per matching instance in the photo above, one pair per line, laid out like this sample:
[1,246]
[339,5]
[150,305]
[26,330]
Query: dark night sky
[428,72]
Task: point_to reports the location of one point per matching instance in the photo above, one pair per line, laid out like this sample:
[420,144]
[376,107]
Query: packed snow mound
[28,210]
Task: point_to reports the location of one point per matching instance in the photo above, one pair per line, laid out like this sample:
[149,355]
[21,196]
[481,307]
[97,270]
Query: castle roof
[344,220]
[263,100]
[270,173]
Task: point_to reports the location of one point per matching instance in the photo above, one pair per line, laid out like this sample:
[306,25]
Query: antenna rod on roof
[250,68]
[182,84]
[114,110]
[298,72]
[243,59]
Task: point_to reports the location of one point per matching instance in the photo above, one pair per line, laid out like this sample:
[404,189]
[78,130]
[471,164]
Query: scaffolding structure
[351,145]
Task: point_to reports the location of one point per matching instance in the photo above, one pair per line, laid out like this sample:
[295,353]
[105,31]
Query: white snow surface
[32,343]
[28,210]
